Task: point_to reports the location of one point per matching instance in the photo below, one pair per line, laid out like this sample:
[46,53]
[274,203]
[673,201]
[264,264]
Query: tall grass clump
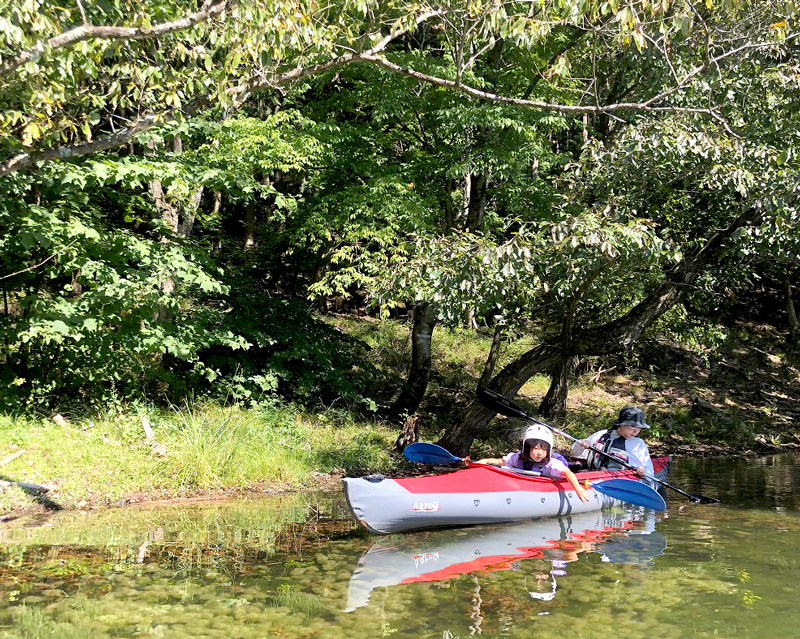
[213,446]
[297,601]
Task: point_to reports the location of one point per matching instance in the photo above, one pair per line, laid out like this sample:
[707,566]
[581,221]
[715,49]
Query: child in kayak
[620,441]
[535,455]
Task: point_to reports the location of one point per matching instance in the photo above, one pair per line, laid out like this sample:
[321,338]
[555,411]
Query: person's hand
[641,471]
[465,461]
[583,494]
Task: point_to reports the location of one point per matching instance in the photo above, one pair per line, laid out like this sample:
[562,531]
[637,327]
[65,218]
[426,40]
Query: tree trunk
[421,334]
[494,353]
[250,225]
[409,433]
[458,437]
[77,288]
[449,208]
[794,326]
[554,404]
[190,212]
[169,214]
[476,204]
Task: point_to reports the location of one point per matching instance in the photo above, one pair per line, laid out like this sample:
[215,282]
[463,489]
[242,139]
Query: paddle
[426,453]
[501,404]
[633,492]
[626,490]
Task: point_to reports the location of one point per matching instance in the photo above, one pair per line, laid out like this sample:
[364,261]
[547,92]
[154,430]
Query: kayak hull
[479,494]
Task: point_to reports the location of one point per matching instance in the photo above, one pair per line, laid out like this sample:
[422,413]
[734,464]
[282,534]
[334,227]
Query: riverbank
[207,451]
[742,398]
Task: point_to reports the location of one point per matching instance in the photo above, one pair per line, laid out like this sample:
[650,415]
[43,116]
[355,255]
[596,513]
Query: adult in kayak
[620,441]
[535,455]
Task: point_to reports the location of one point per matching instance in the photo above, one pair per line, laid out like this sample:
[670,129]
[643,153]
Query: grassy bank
[107,459]
[743,397]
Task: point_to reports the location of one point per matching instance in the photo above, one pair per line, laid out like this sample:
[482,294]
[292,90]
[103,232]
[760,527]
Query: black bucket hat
[631,416]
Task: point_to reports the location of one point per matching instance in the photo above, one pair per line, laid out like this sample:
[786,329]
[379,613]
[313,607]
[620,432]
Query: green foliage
[356,186]
[291,353]
[698,335]
[91,322]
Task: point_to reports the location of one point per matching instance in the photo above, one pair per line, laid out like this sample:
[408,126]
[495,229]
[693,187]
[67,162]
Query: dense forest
[186,192]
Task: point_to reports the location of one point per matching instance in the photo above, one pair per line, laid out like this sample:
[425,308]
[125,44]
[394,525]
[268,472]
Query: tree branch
[90,32]
[42,263]
[301,72]
[26,160]
[545,106]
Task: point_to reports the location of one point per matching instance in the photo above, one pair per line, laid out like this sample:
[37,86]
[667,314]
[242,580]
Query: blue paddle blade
[426,453]
[632,492]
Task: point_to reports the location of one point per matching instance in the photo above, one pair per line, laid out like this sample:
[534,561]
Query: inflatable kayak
[478,494]
[625,536]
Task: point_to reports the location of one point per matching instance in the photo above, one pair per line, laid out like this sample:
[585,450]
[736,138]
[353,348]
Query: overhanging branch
[91,32]
[26,160]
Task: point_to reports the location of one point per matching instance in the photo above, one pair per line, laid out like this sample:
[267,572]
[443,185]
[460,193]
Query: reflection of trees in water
[756,482]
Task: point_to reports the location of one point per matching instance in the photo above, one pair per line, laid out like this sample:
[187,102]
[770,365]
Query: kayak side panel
[479,494]
[385,506]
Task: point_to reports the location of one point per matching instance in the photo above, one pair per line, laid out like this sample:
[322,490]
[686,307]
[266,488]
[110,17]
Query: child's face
[538,452]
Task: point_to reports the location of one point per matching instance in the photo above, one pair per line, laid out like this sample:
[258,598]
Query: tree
[78,80]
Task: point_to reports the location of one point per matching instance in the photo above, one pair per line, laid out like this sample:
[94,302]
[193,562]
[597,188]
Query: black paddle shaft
[501,404]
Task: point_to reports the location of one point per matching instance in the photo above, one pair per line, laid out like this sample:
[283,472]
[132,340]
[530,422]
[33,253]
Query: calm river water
[298,567]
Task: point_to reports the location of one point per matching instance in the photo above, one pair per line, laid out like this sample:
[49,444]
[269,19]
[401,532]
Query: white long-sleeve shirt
[638,453]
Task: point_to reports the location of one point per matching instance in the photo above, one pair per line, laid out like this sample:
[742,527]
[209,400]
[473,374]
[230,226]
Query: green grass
[34,623]
[208,446]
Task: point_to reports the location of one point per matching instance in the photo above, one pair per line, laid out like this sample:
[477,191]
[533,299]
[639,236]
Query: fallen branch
[11,457]
[26,485]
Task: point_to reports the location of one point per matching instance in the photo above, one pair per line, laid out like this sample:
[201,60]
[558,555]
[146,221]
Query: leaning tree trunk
[421,334]
[458,437]
[606,339]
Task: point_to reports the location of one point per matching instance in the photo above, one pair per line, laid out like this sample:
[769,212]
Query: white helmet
[539,432]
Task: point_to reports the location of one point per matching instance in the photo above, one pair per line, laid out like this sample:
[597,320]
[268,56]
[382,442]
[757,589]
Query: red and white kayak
[478,494]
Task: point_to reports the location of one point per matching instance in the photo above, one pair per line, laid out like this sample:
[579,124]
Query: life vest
[537,467]
[615,447]
[529,464]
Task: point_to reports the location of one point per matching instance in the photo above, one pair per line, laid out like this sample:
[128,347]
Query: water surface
[298,567]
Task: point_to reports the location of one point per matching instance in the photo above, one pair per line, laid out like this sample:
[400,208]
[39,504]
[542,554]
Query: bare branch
[26,160]
[89,32]
[545,106]
[42,263]
[302,72]
[83,12]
